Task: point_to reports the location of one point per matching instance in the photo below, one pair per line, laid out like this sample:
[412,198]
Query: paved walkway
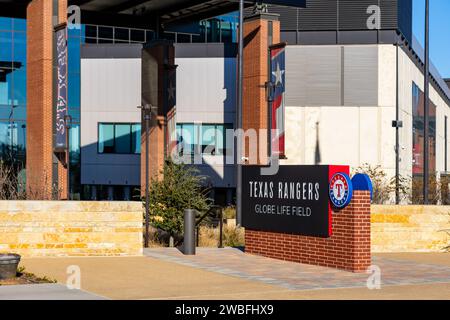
[230,274]
[294,276]
[44,292]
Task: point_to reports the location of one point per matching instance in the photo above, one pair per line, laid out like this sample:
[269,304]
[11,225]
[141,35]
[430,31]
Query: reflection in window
[119,138]
[418,112]
[136,138]
[13,91]
[207,139]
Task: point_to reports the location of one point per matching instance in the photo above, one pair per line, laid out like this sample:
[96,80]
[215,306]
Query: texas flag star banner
[277,110]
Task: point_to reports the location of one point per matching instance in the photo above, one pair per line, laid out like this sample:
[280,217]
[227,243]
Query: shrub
[232,236]
[229,212]
[180,189]
[11,188]
[381,186]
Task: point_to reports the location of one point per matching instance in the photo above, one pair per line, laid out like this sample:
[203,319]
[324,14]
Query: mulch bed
[25,278]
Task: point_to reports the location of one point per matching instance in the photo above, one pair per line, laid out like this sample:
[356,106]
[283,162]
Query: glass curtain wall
[418,112]
[13,93]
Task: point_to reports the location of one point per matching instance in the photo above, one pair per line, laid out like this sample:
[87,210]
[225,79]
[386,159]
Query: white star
[278,74]
[171,91]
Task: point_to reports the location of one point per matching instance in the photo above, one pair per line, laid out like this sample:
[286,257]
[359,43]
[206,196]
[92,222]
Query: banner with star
[171,102]
[277,109]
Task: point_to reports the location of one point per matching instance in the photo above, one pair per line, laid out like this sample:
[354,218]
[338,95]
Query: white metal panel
[313,76]
[110,92]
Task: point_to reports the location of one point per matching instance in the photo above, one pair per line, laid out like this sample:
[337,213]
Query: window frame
[114,124]
[198,147]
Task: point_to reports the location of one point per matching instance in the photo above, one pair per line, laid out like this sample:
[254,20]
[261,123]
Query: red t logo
[339,188]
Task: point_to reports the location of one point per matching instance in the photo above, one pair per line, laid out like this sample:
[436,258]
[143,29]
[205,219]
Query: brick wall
[56,228]
[256,59]
[154,93]
[40,104]
[348,248]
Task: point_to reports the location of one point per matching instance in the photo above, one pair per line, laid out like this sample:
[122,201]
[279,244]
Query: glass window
[6,47]
[91,40]
[201,37]
[418,112]
[208,139]
[169,36]
[183,38]
[74,144]
[119,138]
[105,33]
[150,35]
[122,138]
[73,90]
[91,31]
[121,34]
[185,137]
[136,138]
[137,35]
[213,31]
[5,24]
[211,138]
[19,25]
[73,57]
[106,138]
[226,31]
[105,40]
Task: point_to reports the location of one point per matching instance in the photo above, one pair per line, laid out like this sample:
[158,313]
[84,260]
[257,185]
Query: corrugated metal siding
[313,76]
[361,76]
[405,9]
[329,15]
[288,17]
[389,14]
[318,15]
[353,14]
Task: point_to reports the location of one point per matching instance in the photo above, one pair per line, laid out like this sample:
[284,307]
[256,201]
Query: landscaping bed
[24,277]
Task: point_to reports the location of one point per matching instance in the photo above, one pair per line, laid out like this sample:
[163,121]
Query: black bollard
[189,232]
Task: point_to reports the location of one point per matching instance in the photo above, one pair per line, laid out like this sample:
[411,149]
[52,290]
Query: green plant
[229,212]
[232,236]
[180,188]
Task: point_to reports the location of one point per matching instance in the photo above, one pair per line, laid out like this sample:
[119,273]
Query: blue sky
[439,32]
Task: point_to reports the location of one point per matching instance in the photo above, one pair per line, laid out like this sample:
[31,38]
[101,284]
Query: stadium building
[346,82]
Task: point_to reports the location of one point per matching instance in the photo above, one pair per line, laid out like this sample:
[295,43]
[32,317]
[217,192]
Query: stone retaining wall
[410,228]
[56,228]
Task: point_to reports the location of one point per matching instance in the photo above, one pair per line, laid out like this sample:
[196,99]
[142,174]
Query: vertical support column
[157,58]
[40,102]
[62,170]
[260,31]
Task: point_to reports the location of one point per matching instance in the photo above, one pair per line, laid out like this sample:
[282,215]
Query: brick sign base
[348,248]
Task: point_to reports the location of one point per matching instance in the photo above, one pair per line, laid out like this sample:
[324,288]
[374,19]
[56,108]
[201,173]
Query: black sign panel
[293,201]
[61,84]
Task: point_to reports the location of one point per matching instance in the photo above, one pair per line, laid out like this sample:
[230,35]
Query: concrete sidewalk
[44,292]
[163,276]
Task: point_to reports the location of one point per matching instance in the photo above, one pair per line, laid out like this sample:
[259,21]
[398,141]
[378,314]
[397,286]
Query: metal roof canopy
[145,13]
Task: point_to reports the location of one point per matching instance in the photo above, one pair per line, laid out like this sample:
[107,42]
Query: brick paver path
[234,262]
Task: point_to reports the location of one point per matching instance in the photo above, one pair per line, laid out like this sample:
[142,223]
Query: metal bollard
[189,232]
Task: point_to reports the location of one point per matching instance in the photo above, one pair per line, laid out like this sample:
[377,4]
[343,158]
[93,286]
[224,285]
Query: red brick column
[40,104]
[348,248]
[256,74]
[156,59]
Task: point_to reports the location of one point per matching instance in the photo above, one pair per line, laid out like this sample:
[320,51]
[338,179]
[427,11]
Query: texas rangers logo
[341,190]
